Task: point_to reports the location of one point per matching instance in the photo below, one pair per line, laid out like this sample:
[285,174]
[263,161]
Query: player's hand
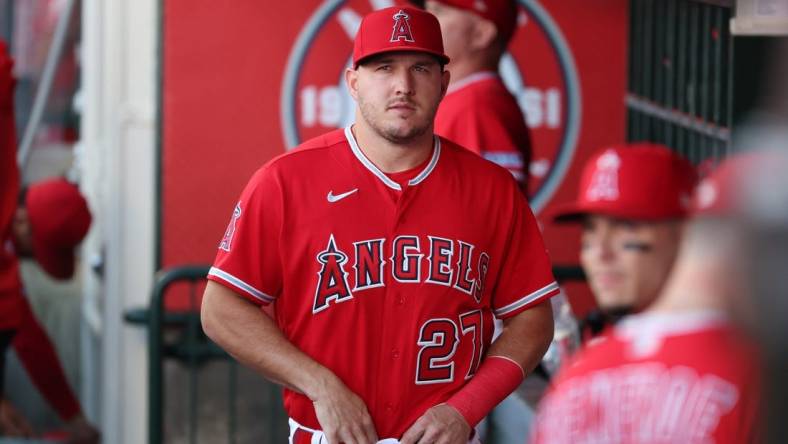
[80,431]
[441,424]
[343,416]
[12,423]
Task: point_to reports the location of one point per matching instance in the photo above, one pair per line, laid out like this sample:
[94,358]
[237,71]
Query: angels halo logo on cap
[604,185]
[707,194]
[402,29]
[609,161]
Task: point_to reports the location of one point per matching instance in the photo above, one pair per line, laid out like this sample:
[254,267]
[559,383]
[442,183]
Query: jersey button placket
[394,296]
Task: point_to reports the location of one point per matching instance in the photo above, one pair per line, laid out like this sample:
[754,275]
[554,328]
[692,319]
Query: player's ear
[445,78]
[351,79]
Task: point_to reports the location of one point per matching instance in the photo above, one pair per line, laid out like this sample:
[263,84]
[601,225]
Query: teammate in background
[632,202]
[679,371]
[478,111]
[387,251]
[757,179]
[46,223]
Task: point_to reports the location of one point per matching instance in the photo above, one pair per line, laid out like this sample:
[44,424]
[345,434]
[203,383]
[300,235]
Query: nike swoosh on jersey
[332,198]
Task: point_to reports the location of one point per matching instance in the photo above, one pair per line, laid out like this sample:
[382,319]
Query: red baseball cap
[640,181]
[503,13]
[398,29]
[59,220]
[734,186]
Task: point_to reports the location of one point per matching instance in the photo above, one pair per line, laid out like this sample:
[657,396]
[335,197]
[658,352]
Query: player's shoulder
[489,90]
[323,141]
[472,163]
[309,151]
[300,160]
[721,344]
[600,352]
[486,106]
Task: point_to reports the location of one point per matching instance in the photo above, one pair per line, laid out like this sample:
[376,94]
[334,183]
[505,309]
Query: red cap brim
[576,211]
[442,58]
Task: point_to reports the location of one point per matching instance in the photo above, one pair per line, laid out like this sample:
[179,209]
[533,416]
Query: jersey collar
[470,80]
[647,331]
[436,153]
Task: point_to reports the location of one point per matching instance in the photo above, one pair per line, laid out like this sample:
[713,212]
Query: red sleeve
[9,172]
[499,136]
[248,260]
[38,356]
[526,276]
[504,144]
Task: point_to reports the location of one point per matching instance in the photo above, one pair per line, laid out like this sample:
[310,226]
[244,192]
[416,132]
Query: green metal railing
[190,349]
[178,337]
[680,76]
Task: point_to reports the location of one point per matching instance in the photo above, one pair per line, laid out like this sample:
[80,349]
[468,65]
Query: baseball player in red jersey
[387,251]
[30,227]
[632,203]
[678,372]
[478,111]
[9,184]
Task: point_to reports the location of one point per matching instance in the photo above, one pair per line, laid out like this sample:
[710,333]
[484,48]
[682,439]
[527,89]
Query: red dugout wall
[244,80]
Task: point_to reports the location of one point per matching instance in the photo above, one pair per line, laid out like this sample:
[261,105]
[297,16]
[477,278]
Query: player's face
[398,94]
[457,27]
[627,262]
[22,233]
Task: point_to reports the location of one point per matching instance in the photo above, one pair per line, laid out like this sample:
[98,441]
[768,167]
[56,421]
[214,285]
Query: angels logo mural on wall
[538,69]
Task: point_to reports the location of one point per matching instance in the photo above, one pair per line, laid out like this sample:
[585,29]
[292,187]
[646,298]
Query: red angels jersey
[656,378]
[11,296]
[393,287]
[480,114]
[10,282]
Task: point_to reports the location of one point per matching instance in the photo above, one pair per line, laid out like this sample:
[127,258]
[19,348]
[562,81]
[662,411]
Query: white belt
[318,437]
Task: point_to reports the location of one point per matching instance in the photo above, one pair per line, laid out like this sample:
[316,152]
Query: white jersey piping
[436,152]
[240,284]
[470,80]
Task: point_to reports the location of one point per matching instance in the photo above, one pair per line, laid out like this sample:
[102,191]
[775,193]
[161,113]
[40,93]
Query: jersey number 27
[439,339]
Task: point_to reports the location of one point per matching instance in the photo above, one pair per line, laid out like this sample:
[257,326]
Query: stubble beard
[393,133]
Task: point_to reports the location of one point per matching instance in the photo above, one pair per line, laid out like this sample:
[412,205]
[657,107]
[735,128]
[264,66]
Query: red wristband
[496,379]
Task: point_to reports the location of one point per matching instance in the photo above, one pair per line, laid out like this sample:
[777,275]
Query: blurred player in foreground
[682,370]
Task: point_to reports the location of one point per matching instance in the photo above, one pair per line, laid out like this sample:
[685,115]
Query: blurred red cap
[503,13]
[733,185]
[639,181]
[398,29]
[59,220]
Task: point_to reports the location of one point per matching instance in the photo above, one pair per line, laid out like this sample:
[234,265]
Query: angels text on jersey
[431,259]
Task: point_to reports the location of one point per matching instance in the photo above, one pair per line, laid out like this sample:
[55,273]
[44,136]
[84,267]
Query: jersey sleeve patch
[531,299]
[239,284]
